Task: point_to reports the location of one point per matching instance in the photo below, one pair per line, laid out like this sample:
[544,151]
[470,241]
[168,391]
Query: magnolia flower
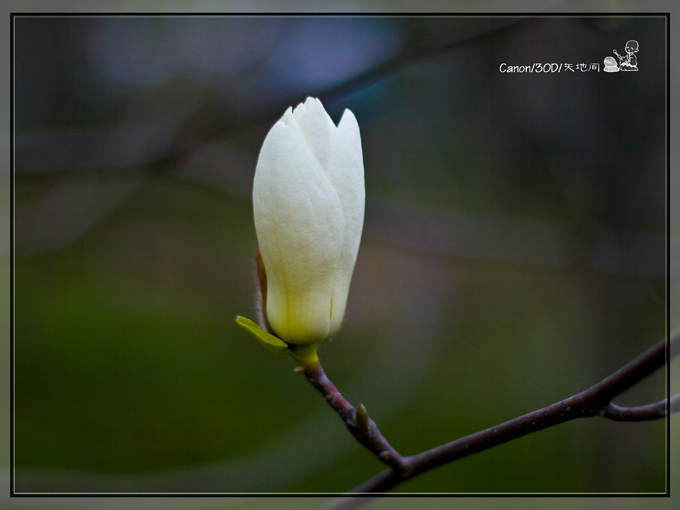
[308,201]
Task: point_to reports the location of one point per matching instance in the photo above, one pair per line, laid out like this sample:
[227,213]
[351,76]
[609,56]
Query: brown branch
[359,424]
[595,401]
[640,413]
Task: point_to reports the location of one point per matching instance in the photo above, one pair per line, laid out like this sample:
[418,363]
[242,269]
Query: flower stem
[305,355]
[362,427]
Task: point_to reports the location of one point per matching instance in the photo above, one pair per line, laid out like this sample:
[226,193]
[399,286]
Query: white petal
[346,173]
[290,120]
[318,130]
[288,117]
[299,110]
[300,229]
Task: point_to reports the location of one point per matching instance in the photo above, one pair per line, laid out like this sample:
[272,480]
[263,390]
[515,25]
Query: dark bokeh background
[513,250]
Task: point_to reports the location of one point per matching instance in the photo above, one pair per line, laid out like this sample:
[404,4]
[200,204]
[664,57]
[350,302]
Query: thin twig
[363,429]
[637,413]
[675,404]
[595,401]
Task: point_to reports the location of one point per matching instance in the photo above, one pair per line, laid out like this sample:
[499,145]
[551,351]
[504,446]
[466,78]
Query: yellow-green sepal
[305,355]
[273,344]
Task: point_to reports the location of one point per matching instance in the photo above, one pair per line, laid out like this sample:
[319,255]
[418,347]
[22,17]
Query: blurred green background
[513,251]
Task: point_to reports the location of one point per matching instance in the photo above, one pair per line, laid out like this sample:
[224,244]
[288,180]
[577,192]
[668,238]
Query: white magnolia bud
[308,201]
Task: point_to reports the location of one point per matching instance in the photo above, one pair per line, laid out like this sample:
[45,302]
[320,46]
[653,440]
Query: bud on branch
[308,202]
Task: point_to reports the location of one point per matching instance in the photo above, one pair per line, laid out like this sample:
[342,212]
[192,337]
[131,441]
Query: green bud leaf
[273,344]
[362,419]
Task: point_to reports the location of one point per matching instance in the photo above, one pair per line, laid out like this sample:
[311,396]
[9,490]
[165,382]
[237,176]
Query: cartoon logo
[627,62]
[610,65]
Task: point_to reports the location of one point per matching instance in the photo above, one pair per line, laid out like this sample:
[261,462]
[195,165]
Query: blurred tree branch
[156,146]
[178,146]
[595,401]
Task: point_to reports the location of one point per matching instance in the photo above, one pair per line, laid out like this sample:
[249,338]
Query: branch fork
[594,401]
[360,425]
